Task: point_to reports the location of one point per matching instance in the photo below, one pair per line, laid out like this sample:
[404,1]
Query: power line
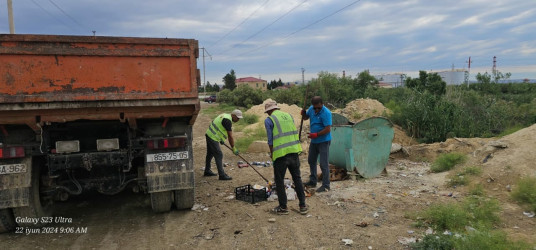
[247,18]
[301,29]
[267,26]
[67,15]
[57,19]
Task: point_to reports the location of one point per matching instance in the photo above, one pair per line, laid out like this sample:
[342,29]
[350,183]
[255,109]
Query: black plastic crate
[249,194]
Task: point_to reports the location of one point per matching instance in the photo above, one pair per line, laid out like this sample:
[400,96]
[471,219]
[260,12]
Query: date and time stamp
[49,225]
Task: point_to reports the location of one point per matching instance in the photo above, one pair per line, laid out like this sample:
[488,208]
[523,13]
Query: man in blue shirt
[320,126]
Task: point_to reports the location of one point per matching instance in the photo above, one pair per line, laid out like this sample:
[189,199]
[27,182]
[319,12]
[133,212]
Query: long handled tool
[304,106]
[269,183]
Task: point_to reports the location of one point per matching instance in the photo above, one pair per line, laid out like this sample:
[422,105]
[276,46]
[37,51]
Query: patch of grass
[249,119]
[434,241]
[525,192]
[510,130]
[447,161]
[357,116]
[477,190]
[258,134]
[492,240]
[478,212]
[217,109]
[474,170]
[445,217]
[458,180]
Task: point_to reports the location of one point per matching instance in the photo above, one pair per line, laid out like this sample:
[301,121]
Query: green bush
[435,242]
[446,217]
[225,96]
[257,134]
[447,161]
[249,119]
[525,192]
[483,212]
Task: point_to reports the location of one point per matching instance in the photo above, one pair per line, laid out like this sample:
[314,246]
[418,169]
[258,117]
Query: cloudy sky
[275,39]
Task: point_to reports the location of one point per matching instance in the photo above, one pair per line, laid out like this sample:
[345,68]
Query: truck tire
[161,201]
[7,220]
[184,198]
[36,207]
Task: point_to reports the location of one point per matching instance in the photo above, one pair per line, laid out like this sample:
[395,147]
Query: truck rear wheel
[161,201]
[37,207]
[7,220]
[184,198]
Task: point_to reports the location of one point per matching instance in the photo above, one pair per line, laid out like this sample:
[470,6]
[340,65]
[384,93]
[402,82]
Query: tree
[208,87]
[229,80]
[362,82]
[427,82]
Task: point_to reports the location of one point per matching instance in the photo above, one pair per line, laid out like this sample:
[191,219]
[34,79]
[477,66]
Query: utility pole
[204,78]
[468,72]
[10,16]
[303,76]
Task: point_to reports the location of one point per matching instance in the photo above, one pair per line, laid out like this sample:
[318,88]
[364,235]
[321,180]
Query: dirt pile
[360,109]
[291,109]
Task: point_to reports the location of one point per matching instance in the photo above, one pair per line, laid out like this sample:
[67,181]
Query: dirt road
[125,221]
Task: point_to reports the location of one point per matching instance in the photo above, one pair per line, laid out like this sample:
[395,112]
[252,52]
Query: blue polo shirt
[319,121]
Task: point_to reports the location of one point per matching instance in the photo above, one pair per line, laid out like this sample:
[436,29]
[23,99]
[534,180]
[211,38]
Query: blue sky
[274,39]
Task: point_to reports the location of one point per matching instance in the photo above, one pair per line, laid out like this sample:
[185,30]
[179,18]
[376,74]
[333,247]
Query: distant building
[394,79]
[252,82]
[452,77]
[385,85]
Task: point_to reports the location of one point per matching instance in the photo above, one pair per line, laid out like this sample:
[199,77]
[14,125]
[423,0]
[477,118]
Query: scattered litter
[376,215]
[407,240]
[291,194]
[238,232]
[205,209]
[529,214]
[273,197]
[469,229]
[369,247]
[516,227]
[309,216]
[196,207]
[429,231]
[337,203]
[271,220]
[347,242]
[362,224]
[411,231]
[230,197]
[447,232]
[508,188]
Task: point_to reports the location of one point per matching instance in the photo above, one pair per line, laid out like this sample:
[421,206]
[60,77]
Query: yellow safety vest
[216,131]
[285,135]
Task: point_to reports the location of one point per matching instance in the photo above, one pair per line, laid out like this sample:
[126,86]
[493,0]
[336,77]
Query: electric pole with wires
[204,78]
[10,16]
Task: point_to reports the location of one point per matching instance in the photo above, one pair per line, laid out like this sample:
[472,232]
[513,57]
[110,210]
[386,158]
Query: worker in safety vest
[284,149]
[220,130]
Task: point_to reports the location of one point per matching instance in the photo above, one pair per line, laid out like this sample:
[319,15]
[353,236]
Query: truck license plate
[167,156]
[13,169]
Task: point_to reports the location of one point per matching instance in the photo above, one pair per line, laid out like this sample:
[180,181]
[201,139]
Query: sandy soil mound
[291,109]
[360,109]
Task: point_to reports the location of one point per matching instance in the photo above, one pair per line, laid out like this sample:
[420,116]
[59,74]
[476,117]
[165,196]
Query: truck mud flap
[14,188]
[169,175]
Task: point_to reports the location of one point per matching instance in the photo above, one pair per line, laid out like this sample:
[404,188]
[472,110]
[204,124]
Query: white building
[452,77]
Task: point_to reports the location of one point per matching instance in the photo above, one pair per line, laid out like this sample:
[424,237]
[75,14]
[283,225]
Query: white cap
[237,113]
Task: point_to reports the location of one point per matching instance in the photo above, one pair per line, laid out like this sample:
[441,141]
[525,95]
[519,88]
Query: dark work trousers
[292,162]
[214,150]
[322,149]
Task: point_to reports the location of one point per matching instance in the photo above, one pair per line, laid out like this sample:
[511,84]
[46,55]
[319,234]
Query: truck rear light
[67,146]
[12,152]
[166,143]
[107,144]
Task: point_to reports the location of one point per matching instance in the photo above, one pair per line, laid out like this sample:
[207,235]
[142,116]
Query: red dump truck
[80,113]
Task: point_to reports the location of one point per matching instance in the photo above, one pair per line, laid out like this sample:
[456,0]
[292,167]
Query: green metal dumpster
[364,146]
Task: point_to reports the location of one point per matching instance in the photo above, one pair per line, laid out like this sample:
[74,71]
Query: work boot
[209,173]
[304,209]
[280,211]
[225,177]
[322,189]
